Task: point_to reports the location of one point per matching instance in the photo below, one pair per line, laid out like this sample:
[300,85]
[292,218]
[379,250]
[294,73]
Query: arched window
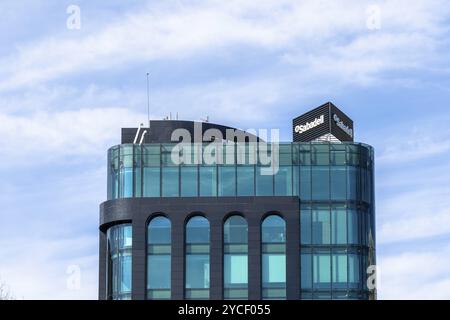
[159,258]
[197,258]
[119,243]
[273,234]
[235,258]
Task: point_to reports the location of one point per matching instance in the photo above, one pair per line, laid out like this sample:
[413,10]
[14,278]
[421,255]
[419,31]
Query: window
[273,258]
[189,181]
[306,269]
[320,183]
[353,227]
[352,183]
[159,258]
[338,183]
[321,225]
[245,180]
[235,260]
[338,225]
[227,181]
[126,172]
[339,267]
[321,269]
[170,182]
[305,183]
[305,224]
[264,183]
[208,181]
[353,270]
[119,243]
[197,258]
[283,181]
[151,184]
[126,177]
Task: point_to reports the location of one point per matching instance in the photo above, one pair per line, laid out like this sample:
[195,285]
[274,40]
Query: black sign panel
[326,119]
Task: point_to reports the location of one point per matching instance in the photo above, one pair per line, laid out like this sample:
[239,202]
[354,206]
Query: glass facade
[334,186]
[235,258]
[311,171]
[197,258]
[159,258]
[119,242]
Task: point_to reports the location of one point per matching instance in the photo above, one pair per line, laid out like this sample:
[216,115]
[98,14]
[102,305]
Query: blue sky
[65,94]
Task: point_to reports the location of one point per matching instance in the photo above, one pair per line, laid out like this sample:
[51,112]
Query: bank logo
[342,125]
[310,125]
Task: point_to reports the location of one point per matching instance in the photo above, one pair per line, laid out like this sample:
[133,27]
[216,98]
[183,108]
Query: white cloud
[327,33]
[37,268]
[415,275]
[49,136]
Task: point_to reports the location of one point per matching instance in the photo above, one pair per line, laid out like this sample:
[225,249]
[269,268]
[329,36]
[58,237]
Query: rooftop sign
[321,121]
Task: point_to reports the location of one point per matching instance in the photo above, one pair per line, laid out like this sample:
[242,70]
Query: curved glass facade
[335,226]
[311,171]
[235,258]
[197,258]
[273,256]
[159,242]
[119,242]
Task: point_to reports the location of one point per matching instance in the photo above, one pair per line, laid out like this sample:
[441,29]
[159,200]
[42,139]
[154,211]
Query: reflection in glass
[235,266]
[119,242]
[197,274]
[273,258]
[159,258]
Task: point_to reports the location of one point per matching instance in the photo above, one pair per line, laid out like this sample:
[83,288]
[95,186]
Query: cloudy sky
[65,93]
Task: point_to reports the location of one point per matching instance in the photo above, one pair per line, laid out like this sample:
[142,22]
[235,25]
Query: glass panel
[305,183]
[283,181]
[306,270]
[295,180]
[337,157]
[264,183]
[352,183]
[126,177]
[197,230]
[208,181]
[197,271]
[235,230]
[321,225]
[273,230]
[338,183]
[125,279]
[170,181]
[353,271]
[339,225]
[339,269]
[305,225]
[151,182]
[245,180]
[158,271]
[159,231]
[227,181]
[353,227]
[119,242]
[235,271]
[189,178]
[320,183]
[137,171]
[274,270]
[321,269]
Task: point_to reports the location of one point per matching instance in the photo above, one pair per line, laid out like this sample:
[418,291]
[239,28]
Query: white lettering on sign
[343,126]
[310,125]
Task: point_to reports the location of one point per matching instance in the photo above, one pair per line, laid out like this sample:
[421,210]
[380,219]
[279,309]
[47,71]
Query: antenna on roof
[148,100]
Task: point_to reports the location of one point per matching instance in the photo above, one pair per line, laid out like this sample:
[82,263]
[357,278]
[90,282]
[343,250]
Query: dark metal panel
[160,131]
